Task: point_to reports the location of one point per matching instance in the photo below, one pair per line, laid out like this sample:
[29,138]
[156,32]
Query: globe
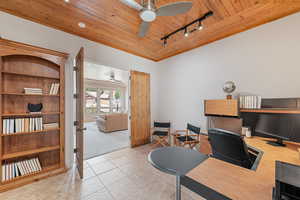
[229,87]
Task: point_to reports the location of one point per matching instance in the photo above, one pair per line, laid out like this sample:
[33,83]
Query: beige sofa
[112,122]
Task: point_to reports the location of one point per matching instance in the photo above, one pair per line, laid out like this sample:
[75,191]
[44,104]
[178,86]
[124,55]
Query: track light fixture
[200,26]
[186,27]
[186,33]
[165,42]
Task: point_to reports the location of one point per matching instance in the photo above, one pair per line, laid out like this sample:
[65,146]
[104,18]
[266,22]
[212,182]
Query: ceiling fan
[112,77]
[149,12]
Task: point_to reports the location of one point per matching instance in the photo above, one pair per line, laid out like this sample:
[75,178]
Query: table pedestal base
[178,188]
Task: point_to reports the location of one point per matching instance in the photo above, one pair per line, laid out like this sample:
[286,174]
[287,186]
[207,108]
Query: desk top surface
[175,160]
[239,183]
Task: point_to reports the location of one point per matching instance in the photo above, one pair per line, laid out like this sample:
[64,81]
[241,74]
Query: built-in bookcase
[23,66]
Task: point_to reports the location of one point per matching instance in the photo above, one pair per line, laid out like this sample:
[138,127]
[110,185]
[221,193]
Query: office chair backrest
[229,147]
[162,124]
[287,181]
[193,129]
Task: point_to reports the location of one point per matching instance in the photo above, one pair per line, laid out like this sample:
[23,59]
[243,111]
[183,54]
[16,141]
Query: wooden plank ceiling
[111,23]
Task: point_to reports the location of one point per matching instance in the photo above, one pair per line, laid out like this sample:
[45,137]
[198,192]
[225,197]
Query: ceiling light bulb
[81,25]
[67,1]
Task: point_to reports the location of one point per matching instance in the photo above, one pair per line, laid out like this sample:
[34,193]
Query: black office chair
[230,147]
[287,185]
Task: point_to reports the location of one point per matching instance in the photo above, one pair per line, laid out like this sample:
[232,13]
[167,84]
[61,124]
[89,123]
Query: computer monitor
[273,126]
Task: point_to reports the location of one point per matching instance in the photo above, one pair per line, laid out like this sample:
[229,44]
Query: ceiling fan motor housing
[148,13]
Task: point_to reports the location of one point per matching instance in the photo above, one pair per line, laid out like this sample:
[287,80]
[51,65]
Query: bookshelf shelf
[29,152]
[29,75]
[29,114]
[273,110]
[44,170]
[24,67]
[28,133]
[23,94]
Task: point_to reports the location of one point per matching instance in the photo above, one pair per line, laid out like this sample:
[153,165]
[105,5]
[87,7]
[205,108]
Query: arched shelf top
[30,65]
[32,57]
[10,48]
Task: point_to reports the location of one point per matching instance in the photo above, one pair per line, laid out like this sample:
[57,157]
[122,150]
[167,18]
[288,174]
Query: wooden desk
[242,184]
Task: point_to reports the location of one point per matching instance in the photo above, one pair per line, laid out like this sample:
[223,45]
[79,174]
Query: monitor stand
[277,143]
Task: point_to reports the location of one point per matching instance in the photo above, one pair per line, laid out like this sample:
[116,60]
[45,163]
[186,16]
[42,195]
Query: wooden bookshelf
[29,152]
[29,75]
[23,94]
[44,170]
[24,66]
[272,110]
[29,114]
[32,132]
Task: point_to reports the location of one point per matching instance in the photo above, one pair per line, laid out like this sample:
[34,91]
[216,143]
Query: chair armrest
[180,131]
[193,135]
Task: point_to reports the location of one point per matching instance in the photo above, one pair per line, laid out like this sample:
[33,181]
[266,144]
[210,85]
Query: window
[91,100]
[116,101]
[105,103]
[99,100]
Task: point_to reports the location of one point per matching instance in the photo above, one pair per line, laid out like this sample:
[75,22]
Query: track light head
[165,42]
[186,33]
[200,26]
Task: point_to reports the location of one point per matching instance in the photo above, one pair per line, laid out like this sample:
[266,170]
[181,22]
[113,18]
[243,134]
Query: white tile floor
[121,175]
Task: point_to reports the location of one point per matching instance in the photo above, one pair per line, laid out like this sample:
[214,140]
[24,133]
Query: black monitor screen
[277,126]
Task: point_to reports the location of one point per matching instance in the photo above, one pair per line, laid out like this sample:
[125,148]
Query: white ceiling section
[101,72]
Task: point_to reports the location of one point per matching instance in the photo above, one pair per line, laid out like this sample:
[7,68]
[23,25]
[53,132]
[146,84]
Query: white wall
[264,60]
[21,30]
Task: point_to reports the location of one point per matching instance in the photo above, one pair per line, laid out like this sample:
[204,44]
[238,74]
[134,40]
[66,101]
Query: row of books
[19,125]
[250,102]
[54,89]
[20,168]
[51,126]
[33,91]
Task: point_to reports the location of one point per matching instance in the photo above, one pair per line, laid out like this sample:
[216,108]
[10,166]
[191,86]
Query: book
[12,126]
[26,169]
[38,164]
[3,172]
[31,168]
[54,89]
[3,126]
[23,124]
[22,173]
[33,91]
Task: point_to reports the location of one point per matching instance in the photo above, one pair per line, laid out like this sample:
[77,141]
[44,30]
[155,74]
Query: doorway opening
[106,95]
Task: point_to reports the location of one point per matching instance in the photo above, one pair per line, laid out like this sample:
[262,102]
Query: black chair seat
[185,139]
[160,133]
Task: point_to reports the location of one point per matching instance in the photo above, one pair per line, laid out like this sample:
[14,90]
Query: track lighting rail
[185,27]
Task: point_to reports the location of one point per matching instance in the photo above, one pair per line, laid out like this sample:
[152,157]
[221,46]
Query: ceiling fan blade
[174,8]
[133,4]
[144,27]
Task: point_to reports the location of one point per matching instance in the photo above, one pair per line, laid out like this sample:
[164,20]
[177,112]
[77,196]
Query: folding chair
[161,133]
[191,136]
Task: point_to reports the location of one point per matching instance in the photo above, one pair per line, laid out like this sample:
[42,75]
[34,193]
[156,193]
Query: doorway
[105,110]
[99,99]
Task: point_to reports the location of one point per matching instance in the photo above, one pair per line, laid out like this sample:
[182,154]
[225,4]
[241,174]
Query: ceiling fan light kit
[149,12]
